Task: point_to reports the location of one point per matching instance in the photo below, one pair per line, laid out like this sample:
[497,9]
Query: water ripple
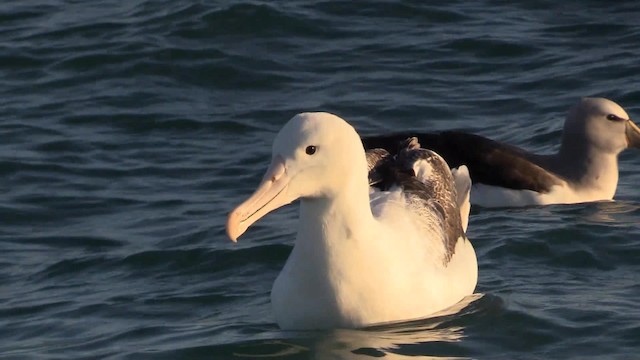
[130,129]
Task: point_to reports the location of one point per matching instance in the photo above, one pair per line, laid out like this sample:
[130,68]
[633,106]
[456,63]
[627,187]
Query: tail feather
[463,189]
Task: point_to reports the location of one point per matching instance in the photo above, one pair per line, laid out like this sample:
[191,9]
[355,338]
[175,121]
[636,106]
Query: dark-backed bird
[584,169]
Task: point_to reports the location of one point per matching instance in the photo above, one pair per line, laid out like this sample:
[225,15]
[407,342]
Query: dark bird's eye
[613,117]
[310,150]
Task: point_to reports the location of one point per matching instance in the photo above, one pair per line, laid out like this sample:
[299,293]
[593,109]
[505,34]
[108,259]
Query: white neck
[332,232]
[329,222]
[586,167]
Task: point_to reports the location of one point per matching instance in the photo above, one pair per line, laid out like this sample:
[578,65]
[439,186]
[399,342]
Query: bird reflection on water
[402,340]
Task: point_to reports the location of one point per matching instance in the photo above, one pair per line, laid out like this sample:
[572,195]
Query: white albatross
[584,169]
[358,260]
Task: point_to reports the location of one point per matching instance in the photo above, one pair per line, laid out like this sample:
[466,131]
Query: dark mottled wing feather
[489,162]
[375,159]
[439,189]
[436,191]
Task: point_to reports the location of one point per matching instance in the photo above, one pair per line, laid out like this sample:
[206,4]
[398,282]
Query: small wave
[588,30]
[30,310]
[493,48]
[260,21]
[207,261]
[396,9]
[72,267]
[73,241]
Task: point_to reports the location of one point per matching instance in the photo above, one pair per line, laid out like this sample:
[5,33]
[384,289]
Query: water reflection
[611,212]
[398,340]
[430,338]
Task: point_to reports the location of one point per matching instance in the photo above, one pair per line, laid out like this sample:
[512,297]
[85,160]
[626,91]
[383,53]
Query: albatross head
[601,123]
[314,155]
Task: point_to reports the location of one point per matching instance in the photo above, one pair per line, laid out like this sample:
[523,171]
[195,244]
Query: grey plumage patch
[437,189]
[375,159]
[426,181]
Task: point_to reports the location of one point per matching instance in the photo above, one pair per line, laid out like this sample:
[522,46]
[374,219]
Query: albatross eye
[614,117]
[310,150]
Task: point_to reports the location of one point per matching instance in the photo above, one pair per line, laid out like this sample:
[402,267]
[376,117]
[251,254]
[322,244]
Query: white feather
[360,257]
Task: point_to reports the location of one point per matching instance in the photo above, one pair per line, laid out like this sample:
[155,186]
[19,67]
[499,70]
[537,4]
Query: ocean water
[129,129]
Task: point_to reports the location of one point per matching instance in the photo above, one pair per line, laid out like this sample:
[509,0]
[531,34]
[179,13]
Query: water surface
[130,129]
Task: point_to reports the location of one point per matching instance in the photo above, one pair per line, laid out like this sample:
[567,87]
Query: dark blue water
[129,129]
